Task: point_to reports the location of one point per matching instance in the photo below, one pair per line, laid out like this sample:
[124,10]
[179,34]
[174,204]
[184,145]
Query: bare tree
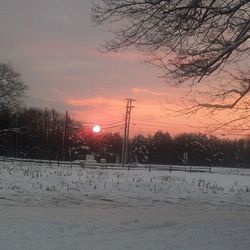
[193,40]
[12,87]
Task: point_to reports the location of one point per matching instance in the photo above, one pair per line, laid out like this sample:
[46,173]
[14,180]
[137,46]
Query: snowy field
[43,207]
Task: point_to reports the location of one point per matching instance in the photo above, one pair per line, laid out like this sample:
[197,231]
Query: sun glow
[96,129]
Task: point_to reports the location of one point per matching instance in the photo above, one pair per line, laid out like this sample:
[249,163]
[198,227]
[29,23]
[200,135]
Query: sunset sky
[56,48]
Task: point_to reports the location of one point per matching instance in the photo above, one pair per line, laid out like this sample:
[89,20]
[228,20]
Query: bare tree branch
[192,40]
[201,34]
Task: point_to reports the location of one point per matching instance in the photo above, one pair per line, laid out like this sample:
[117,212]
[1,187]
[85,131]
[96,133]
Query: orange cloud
[147,116]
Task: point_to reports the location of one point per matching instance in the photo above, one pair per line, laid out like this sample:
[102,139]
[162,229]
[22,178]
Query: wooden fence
[95,165]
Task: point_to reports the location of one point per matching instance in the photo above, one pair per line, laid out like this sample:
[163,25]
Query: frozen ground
[64,208]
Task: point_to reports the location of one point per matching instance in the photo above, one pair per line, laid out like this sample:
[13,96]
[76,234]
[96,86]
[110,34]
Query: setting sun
[96,129]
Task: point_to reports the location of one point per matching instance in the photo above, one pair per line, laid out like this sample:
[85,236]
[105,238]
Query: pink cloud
[148,91]
[95,101]
[128,56]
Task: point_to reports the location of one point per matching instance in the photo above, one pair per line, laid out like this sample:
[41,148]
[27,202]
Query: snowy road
[118,227]
[51,208]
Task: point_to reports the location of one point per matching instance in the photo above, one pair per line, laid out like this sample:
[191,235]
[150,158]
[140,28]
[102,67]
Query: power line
[155,122]
[104,123]
[161,124]
[115,126]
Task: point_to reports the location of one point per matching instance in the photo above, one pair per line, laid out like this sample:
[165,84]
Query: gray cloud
[54,45]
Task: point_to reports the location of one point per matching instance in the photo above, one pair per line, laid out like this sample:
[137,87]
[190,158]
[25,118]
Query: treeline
[31,133]
[48,134]
[199,149]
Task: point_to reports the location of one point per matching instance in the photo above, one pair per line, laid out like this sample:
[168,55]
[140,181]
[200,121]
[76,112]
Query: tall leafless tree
[194,40]
[12,87]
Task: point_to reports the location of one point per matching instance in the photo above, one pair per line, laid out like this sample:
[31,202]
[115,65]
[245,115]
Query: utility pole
[65,135]
[16,144]
[126,131]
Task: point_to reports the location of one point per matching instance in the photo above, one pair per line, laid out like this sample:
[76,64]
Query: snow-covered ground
[43,207]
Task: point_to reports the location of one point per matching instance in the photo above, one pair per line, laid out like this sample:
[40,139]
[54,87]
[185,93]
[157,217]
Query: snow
[43,207]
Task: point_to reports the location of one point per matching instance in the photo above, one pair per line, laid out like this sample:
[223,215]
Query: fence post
[82,164]
[190,169]
[210,169]
[129,166]
[58,163]
[149,168]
